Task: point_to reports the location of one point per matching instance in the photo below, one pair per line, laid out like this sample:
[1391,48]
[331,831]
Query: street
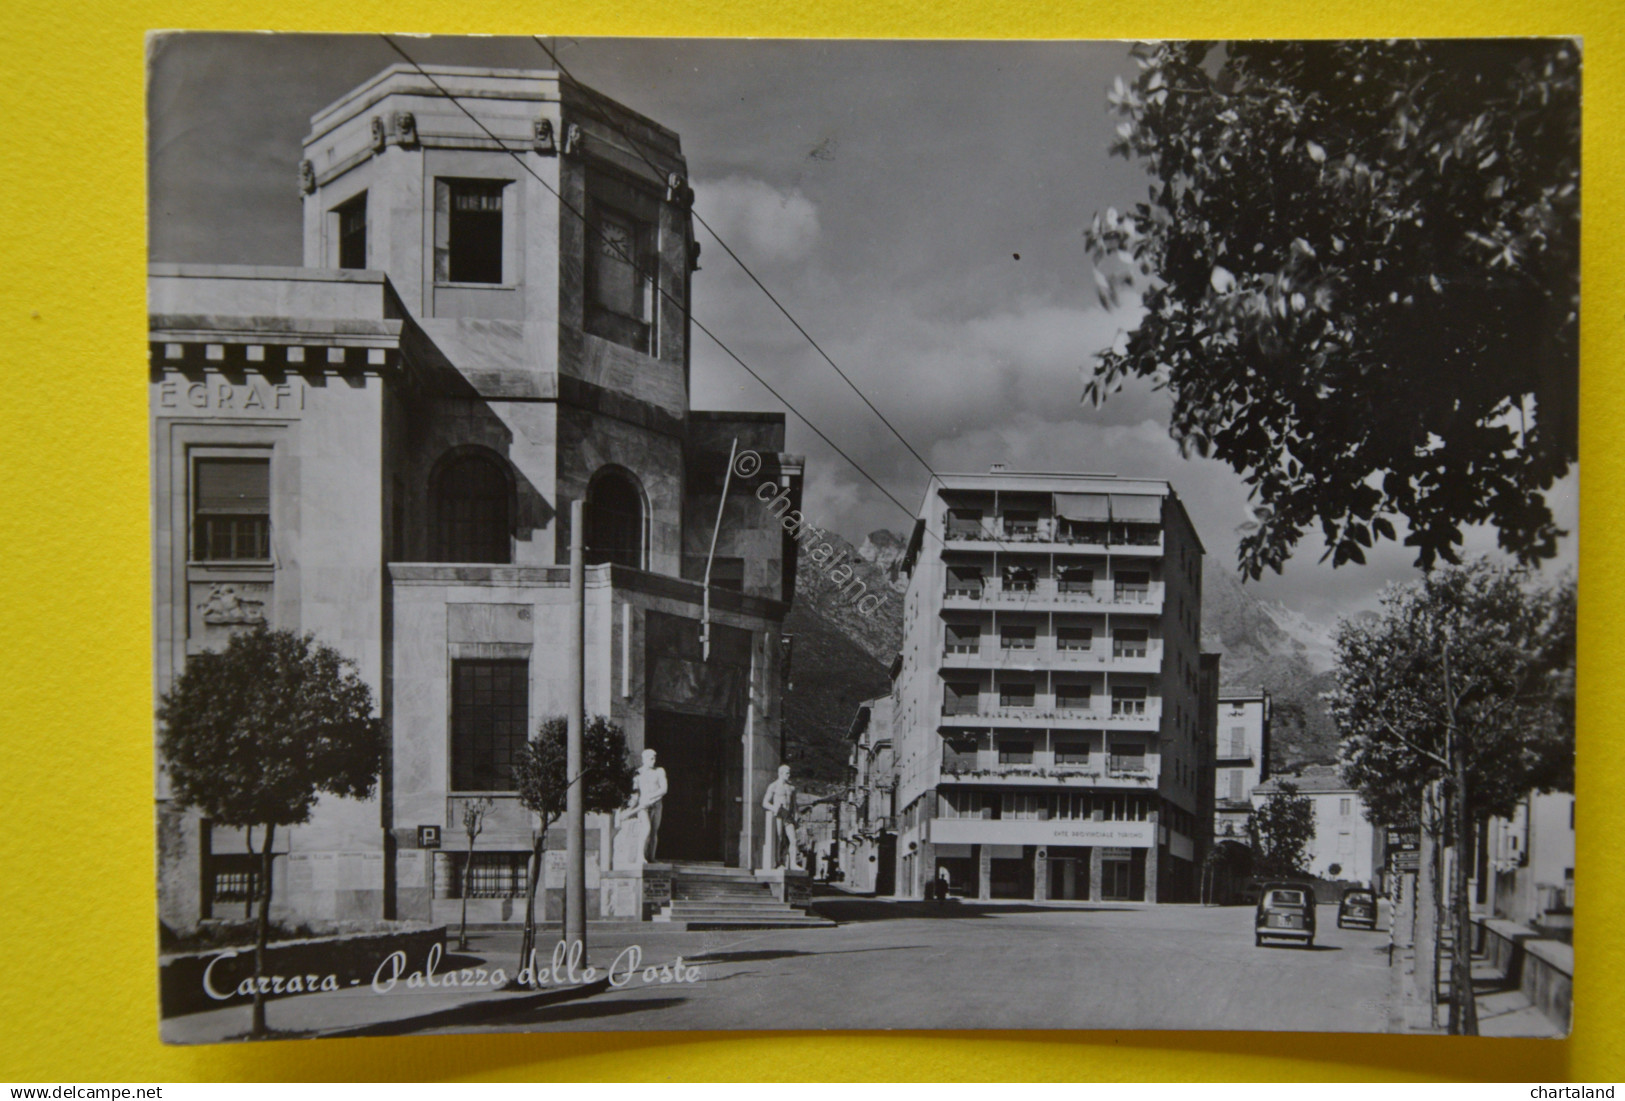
[907,965]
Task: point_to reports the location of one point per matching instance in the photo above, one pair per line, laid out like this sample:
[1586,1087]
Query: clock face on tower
[616,240]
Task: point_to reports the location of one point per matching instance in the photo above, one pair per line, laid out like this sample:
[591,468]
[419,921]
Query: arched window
[470,493]
[614,520]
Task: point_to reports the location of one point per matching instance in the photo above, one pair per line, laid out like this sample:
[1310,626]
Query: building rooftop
[1314,779]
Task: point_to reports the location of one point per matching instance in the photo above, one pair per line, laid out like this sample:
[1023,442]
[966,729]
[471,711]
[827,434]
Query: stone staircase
[713,896]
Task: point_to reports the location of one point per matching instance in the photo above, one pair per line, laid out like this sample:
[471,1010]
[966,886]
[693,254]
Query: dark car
[1286,911]
[1358,907]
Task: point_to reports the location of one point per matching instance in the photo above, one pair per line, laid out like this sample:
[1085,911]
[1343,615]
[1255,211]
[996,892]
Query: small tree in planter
[474,812]
[539,775]
[254,733]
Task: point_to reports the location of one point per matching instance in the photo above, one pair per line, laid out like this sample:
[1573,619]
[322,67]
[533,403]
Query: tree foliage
[1280,831]
[1508,695]
[254,733]
[607,770]
[541,776]
[1359,268]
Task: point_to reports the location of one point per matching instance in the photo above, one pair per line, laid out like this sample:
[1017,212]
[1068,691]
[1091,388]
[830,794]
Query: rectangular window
[1076,579]
[964,638]
[1128,756]
[1238,741]
[960,698]
[1072,753]
[964,523]
[622,263]
[489,719]
[958,756]
[1128,700]
[1133,586]
[964,581]
[1018,804]
[489,875]
[1020,522]
[1015,753]
[232,877]
[1015,695]
[231,509]
[473,232]
[1345,807]
[1019,580]
[1130,642]
[1072,697]
[1236,779]
[352,219]
[1018,638]
[1074,638]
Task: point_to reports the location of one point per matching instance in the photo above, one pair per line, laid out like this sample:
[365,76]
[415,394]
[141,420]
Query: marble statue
[780,803]
[637,825]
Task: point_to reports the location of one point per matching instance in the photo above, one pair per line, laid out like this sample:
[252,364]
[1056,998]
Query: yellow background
[78,976]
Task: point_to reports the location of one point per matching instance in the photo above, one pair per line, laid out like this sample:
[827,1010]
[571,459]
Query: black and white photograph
[693,534]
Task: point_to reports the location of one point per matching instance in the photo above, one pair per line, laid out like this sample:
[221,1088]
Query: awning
[1136,509]
[1083,507]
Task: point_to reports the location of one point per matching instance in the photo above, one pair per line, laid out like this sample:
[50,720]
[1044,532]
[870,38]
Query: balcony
[1043,712]
[1146,658]
[1046,594]
[985,768]
[992,534]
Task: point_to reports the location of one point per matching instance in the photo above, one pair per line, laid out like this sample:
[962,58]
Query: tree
[539,774]
[1359,269]
[252,734]
[474,812]
[1461,689]
[1280,830]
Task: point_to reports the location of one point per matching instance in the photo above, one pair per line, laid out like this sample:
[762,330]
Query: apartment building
[1047,735]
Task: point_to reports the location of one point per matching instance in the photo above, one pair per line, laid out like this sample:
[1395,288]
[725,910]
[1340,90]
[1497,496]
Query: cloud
[759,221]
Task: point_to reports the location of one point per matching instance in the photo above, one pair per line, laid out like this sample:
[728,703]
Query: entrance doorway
[1068,873]
[1117,875]
[692,750]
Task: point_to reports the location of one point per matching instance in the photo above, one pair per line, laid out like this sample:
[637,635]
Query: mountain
[841,653]
[1268,645]
[875,564]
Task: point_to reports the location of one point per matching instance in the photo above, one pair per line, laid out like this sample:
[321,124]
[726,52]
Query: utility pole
[575,856]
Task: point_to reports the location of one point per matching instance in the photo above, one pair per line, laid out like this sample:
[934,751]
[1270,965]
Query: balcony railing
[1049,530]
[1049,591]
[1043,711]
[1045,652]
[1097,769]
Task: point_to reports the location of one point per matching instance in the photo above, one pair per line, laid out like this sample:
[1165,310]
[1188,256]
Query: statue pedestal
[789,885]
[636,894]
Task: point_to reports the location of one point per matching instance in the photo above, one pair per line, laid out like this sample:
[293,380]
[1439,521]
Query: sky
[918,207]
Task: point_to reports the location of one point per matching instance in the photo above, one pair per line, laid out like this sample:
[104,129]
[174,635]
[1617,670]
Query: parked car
[1358,907]
[1286,911]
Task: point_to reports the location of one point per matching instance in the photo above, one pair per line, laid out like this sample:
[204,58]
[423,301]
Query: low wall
[1542,969]
[335,962]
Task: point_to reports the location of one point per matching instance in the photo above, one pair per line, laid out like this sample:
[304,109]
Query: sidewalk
[1501,1011]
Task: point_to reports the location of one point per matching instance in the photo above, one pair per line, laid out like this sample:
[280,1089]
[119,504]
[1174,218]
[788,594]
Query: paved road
[892,965]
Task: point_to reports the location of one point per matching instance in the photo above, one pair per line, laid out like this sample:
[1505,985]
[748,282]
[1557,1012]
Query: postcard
[716,534]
